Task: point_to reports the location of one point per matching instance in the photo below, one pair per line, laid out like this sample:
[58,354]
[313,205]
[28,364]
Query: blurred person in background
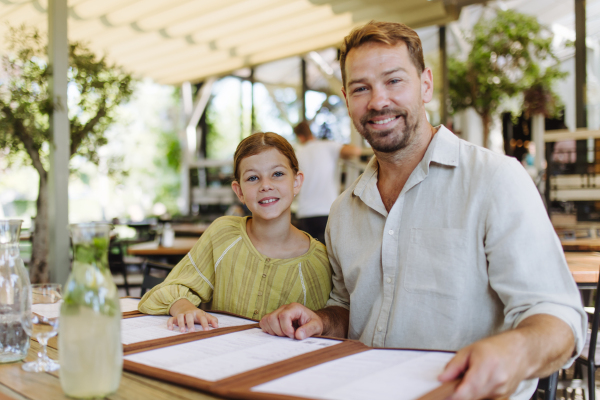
[318,161]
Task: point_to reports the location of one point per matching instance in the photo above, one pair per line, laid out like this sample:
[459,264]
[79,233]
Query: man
[318,161]
[439,244]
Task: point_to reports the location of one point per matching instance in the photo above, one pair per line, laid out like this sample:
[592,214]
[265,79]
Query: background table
[181,246]
[18,384]
[584,267]
[189,229]
[580,244]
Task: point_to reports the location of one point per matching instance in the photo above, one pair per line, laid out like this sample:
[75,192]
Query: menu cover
[250,364]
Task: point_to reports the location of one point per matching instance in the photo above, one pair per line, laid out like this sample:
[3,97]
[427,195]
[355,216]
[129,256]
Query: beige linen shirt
[467,251]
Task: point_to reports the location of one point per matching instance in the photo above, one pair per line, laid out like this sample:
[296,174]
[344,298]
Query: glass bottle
[15,294]
[89,339]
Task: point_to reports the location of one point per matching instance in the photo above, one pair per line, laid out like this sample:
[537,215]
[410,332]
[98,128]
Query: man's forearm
[335,321]
[550,343]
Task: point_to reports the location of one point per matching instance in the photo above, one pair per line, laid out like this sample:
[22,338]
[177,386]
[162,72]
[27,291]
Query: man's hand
[494,367]
[184,313]
[285,320]
[296,321]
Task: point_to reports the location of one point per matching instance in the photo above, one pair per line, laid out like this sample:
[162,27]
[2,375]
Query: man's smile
[383,121]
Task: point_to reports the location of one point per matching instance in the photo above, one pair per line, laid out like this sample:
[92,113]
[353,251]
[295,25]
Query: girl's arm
[184,281]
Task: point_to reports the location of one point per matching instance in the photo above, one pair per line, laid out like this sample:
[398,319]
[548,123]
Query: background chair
[590,352]
[154,273]
[548,386]
[116,261]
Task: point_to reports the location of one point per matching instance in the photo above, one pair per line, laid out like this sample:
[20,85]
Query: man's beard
[400,140]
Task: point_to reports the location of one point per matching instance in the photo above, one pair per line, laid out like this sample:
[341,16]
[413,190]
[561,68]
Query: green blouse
[224,266]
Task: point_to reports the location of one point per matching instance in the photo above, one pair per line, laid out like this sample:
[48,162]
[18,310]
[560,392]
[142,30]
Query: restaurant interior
[199,76]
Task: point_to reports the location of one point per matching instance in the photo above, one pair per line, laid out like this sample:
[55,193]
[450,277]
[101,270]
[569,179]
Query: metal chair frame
[150,281]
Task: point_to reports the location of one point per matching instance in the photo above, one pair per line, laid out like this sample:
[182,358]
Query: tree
[95,90]
[510,54]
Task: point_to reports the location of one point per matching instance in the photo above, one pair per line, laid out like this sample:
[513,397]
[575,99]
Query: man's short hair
[389,33]
[303,129]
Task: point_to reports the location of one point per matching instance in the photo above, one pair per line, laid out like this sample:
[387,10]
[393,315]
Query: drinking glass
[42,323]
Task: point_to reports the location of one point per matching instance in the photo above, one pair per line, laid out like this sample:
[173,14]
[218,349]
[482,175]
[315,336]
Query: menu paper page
[47,310]
[373,374]
[53,310]
[223,356]
[128,305]
[149,327]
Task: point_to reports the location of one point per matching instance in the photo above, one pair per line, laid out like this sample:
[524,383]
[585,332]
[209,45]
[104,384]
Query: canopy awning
[188,40]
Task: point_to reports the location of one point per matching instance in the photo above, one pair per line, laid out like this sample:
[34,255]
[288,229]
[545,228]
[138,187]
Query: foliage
[168,161]
[25,104]
[511,54]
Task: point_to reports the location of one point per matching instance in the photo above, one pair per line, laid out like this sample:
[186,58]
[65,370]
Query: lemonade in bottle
[89,340]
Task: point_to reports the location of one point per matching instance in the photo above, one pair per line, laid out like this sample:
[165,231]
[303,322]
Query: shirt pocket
[436,262]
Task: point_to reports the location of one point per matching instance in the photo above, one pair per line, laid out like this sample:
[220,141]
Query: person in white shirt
[318,161]
[440,244]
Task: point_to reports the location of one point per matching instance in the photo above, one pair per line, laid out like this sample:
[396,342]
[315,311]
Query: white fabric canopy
[188,40]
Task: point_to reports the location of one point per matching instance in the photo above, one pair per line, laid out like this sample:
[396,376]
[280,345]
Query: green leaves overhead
[510,54]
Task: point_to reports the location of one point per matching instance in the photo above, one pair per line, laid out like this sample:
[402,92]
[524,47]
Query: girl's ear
[298,180]
[235,185]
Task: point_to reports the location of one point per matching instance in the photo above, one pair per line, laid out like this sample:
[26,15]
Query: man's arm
[350,151]
[296,321]
[494,367]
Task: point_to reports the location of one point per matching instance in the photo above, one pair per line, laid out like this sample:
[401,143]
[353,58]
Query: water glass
[42,323]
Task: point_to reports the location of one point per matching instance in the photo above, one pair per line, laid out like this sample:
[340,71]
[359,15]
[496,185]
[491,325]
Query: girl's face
[267,184]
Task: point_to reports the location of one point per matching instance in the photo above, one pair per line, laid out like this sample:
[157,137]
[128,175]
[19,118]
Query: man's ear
[346,99]
[298,181]
[427,85]
[235,185]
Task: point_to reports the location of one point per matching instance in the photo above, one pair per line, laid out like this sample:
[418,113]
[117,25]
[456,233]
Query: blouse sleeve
[192,279]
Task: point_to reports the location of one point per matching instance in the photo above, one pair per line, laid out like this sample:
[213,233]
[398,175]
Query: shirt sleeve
[193,278]
[526,263]
[339,295]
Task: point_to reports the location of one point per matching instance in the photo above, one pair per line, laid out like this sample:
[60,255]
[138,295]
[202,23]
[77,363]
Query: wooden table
[181,246]
[190,229]
[580,244]
[18,384]
[584,267]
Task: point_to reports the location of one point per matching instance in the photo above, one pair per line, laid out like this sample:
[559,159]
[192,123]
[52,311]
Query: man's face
[385,95]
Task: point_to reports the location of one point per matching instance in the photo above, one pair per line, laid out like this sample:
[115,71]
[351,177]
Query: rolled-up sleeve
[526,263]
[192,278]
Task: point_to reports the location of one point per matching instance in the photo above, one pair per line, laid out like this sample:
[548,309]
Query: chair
[116,262]
[590,352]
[548,385]
[149,281]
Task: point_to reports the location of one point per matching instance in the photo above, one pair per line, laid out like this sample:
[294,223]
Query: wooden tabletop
[190,229]
[181,246]
[584,266]
[18,384]
[580,244]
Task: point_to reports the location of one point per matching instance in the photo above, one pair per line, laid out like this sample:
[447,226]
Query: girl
[252,265]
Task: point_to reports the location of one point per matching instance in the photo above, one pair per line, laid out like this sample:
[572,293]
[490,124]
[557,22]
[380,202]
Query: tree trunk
[38,268]
[486,120]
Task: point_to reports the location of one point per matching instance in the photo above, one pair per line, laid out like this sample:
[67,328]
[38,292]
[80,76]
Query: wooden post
[58,178]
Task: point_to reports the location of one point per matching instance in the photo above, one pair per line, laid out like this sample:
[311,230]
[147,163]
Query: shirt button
[260,293]
[264,275]
[388,280]
[267,259]
[379,329]
[255,312]
[391,231]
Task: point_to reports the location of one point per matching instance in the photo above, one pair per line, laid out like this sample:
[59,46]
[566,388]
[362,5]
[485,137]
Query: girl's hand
[184,313]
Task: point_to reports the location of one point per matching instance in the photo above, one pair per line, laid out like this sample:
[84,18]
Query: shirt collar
[443,149]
